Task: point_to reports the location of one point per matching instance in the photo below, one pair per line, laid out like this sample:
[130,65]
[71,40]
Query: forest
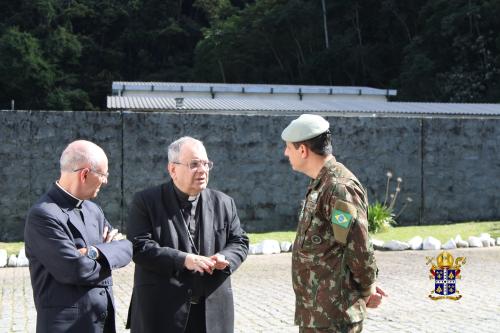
[64,54]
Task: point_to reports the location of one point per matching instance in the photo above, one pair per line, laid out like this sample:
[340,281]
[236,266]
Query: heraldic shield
[445,275]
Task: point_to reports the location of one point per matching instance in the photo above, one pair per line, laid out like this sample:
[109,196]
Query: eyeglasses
[195,164]
[100,174]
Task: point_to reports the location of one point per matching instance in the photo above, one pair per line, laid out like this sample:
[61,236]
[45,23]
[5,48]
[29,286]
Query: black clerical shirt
[189,207]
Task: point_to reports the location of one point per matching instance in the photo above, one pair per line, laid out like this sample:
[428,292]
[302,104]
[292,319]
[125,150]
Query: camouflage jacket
[333,264]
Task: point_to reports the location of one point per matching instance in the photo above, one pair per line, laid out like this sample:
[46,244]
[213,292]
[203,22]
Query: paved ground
[264,297]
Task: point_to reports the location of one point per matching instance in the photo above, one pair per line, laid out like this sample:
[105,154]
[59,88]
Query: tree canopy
[64,54]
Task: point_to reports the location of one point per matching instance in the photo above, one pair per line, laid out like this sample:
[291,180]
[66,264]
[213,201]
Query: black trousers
[196,319]
[109,321]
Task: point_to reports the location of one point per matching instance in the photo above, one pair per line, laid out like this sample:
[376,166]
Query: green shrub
[380,217]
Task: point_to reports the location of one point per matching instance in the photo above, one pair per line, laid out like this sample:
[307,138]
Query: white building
[277,99]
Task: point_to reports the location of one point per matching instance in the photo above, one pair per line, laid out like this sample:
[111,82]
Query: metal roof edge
[278,106]
[121,86]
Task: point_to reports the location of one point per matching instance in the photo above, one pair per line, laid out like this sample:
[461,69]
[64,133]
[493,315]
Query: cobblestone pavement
[264,300]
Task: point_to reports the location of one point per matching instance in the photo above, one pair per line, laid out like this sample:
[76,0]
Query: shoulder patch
[341,218]
[343,214]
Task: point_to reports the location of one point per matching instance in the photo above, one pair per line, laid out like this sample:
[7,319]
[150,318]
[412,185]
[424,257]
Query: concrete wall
[450,167]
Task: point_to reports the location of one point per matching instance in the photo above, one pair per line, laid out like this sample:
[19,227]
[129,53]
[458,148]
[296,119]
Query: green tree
[25,76]
[455,54]
[263,42]
[159,40]
[51,56]
[64,54]
[284,42]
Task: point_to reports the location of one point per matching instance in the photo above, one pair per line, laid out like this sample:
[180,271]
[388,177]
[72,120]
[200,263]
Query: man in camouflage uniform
[333,264]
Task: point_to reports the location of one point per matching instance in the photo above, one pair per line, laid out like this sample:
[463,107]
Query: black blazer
[70,290]
[162,286]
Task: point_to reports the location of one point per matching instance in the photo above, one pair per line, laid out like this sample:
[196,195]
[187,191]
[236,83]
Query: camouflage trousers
[340,328]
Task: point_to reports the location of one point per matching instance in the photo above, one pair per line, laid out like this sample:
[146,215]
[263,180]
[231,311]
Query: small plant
[381,216]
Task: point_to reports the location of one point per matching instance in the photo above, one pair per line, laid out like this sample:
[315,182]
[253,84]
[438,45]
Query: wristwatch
[92,253]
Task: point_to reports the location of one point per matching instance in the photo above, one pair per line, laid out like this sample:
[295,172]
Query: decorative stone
[12,261]
[255,248]
[285,246]
[460,242]
[395,245]
[498,241]
[416,243]
[475,242]
[378,244]
[21,259]
[449,245]
[270,246]
[431,243]
[485,239]
[3,258]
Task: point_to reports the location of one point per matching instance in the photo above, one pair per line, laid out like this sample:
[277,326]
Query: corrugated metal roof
[119,87]
[235,105]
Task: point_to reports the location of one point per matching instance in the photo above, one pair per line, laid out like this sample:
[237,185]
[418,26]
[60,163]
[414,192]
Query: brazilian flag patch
[341,218]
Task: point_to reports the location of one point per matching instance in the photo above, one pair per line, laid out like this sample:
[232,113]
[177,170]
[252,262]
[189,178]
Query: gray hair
[79,154]
[174,148]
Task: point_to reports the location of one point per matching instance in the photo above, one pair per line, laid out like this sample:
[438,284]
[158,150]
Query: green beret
[305,127]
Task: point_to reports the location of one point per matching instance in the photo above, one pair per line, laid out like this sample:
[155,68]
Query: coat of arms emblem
[445,274]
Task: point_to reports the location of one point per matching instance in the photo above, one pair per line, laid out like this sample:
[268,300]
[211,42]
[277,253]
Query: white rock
[270,246]
[450,245]
[431,243]
[498,241]
[492,242]
[458,238]
[395,245]
[462,243]
[21,259]
[255,248]
[475,242]
[377,244]
[12,261]
[3,258]
[415,243]
[285,246]
[485,239]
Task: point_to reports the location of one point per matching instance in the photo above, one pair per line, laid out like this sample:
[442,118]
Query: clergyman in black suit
[72,248]
[187,242]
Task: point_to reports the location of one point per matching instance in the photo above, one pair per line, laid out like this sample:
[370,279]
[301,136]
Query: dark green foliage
[455,56]
[74,49]
[23,69]
[64,54]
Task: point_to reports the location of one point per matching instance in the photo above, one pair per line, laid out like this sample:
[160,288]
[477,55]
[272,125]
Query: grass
[280,236]
[12,248]
[441,232]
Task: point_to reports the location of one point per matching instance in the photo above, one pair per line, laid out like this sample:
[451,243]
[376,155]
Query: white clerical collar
[79,204]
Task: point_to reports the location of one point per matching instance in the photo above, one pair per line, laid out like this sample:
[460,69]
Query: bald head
[80,154]
[84,168]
